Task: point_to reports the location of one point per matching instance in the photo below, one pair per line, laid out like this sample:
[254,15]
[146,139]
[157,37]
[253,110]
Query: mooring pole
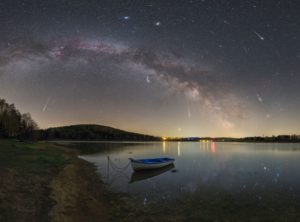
[107,168]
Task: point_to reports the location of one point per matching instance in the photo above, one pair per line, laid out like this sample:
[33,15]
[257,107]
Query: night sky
[165,67]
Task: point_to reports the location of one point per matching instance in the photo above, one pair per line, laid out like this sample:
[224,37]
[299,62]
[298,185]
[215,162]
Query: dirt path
[79,195]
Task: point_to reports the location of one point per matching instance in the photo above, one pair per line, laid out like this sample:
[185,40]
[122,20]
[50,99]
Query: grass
[28,157]
[43,181]
[26,170]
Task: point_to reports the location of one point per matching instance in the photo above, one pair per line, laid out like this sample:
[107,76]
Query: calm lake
[209,181]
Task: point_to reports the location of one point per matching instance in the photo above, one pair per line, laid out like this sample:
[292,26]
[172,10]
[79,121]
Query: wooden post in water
[107,168]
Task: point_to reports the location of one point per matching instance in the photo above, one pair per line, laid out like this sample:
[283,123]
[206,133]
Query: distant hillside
[92,132]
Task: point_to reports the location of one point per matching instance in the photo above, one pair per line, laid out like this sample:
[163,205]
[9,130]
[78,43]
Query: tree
[13,124]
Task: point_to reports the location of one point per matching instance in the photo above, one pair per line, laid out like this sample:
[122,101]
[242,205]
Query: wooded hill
[13,124]
[92,132]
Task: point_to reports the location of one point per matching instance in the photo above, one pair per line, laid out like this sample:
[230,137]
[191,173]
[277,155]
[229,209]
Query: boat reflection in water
[146,174]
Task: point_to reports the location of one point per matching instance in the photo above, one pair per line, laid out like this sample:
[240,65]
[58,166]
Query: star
[259,35]
[206,66]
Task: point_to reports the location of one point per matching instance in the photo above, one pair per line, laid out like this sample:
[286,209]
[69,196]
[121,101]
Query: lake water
[209,181]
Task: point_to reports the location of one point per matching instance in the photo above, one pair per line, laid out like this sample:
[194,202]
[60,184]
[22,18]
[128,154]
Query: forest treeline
[14,124]
[266,139]
[254,139]
[92,133]
[261,139]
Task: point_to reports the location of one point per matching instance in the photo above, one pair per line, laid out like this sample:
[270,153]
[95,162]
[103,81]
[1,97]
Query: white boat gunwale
[150,164]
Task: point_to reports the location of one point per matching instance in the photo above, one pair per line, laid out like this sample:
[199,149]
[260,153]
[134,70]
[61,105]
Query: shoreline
[44,181]
[79,193]
[50,184]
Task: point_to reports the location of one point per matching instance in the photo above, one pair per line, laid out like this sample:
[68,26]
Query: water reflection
[231,178]
[208,146]
[213,147]
[205,145]
[143,175]
[234,167]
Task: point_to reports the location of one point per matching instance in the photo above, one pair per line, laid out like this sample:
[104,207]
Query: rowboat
[150,164]
[146,174]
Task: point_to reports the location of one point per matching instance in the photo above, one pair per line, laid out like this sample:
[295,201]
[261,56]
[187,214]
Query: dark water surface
[209,181]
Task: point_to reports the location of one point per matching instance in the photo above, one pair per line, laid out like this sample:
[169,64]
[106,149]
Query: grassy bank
[46,182]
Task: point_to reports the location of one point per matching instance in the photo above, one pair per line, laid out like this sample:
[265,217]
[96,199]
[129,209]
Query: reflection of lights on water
[213,147]
[164,146]
[145,201]
[207,145]
[178,149]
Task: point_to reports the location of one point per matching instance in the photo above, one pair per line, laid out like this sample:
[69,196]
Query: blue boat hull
[150,164]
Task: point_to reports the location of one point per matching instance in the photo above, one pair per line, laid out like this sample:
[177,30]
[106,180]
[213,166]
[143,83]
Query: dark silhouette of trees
[262,139]
[279,139]
[92,132]
[13,124]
